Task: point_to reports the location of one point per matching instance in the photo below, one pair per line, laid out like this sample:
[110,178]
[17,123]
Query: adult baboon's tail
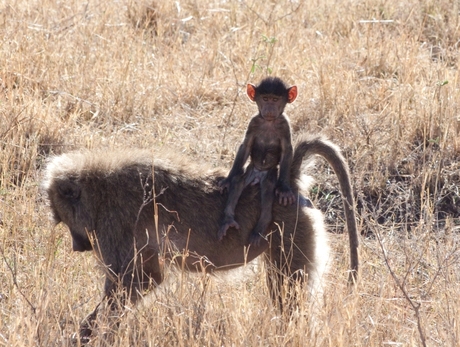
[317,145]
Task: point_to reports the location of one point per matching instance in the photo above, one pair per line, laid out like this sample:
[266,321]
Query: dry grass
[379,77]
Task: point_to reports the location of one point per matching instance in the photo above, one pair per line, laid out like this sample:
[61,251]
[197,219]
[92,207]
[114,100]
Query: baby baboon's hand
[224,184]
[285,195]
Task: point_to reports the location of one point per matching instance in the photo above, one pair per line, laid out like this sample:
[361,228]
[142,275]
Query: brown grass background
[379,77]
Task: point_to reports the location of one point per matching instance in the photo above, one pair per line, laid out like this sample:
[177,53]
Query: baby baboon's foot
[228,223]
[256,239]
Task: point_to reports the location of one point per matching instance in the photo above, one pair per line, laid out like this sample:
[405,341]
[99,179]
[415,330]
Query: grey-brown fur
[106,197]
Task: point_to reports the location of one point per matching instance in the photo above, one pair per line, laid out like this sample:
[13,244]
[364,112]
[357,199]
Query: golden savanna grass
[380,78]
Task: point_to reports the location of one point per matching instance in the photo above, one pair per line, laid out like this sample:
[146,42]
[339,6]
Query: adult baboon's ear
[69,190]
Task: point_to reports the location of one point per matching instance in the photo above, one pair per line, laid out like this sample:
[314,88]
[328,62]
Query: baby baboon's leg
[267,196]
[237,185]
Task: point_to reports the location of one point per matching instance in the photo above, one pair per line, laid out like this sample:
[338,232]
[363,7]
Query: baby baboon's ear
[251,91]
[69,190]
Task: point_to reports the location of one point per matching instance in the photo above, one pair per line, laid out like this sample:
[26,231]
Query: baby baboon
[135,212]
[268,143]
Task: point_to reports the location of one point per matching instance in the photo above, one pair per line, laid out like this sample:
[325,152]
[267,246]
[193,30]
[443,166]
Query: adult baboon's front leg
[137,275]
[111,305]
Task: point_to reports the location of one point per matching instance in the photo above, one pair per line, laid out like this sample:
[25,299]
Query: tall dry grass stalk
[379,77]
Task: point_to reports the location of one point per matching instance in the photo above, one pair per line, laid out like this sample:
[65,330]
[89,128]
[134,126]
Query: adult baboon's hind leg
[297,257]
[283,282]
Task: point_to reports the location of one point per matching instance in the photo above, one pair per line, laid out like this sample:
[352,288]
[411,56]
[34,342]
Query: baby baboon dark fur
[268,143]
[132,222]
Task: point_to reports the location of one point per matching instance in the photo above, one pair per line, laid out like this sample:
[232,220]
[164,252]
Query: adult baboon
[268,143]
[133,220]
